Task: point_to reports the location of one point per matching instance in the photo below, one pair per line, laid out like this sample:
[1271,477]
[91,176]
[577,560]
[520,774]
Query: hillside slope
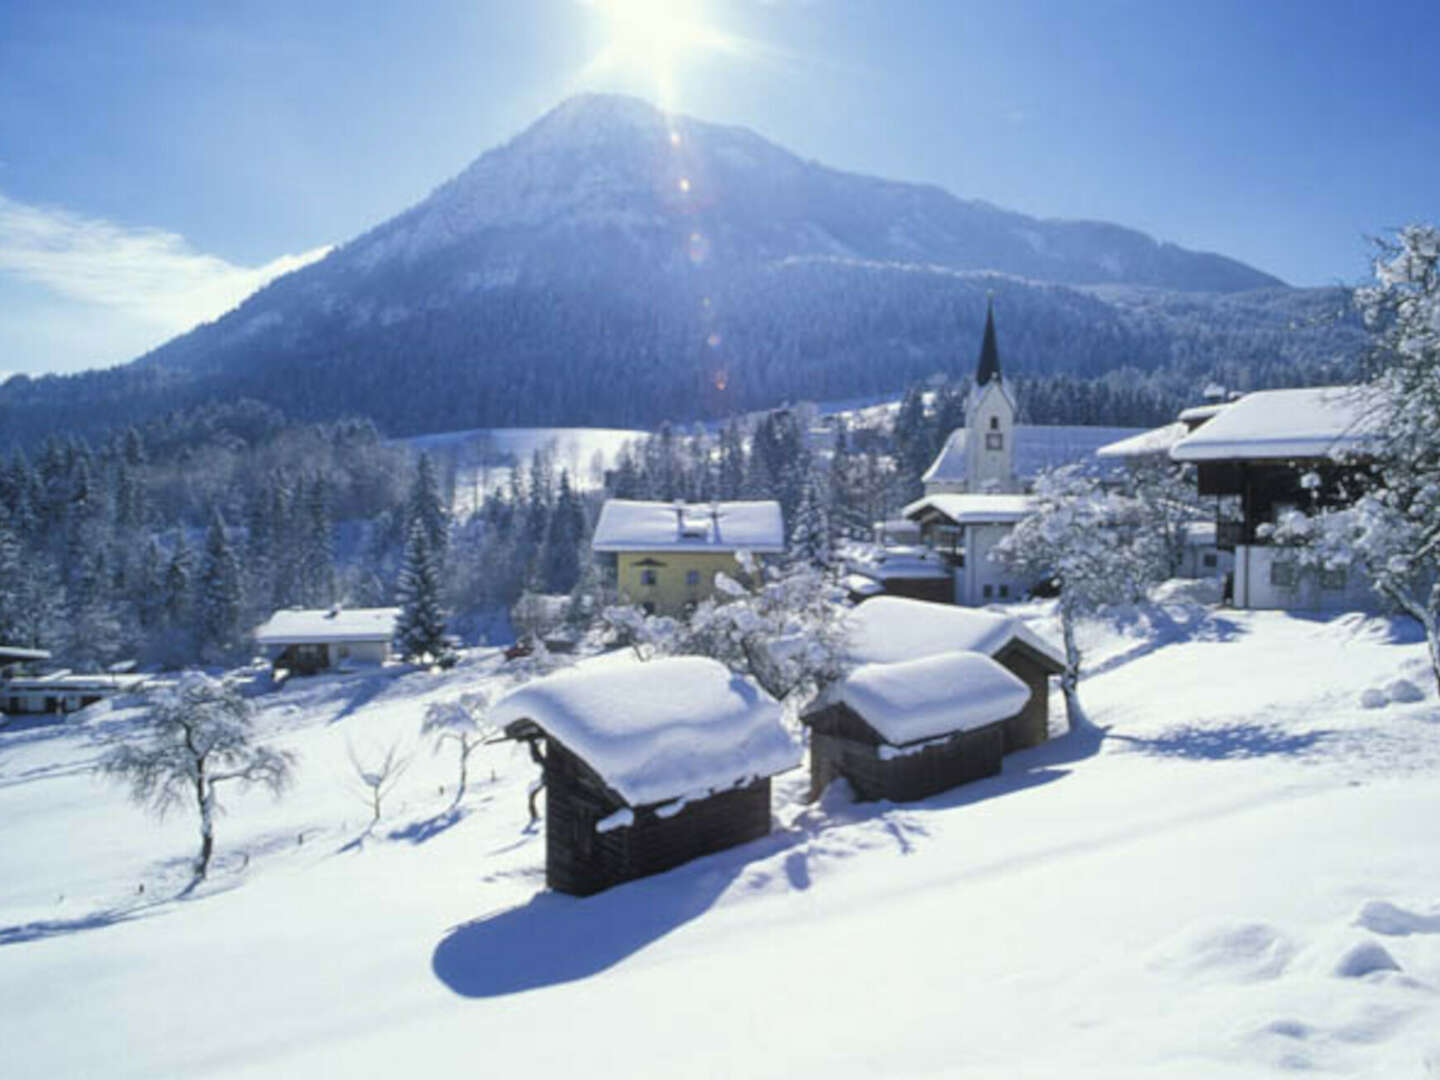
[1235,879]
[615,266]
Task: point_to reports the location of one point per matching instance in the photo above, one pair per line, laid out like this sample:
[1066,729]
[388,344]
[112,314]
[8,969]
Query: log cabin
[647,765]
[912,729]
[889,629]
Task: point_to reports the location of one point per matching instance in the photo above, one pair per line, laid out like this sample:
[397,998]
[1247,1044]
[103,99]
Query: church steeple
[989,367]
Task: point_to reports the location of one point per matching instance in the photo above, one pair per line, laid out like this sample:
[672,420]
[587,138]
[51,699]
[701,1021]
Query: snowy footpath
[1235,873]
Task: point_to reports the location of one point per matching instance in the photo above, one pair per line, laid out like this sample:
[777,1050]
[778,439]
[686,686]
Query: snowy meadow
[1233,874]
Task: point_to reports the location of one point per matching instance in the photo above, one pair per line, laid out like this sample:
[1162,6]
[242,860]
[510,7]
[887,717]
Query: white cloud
[141,274]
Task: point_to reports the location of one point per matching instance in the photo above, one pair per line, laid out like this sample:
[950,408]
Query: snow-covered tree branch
[1094,544]
[1391,530]
[199,735]
[462,722]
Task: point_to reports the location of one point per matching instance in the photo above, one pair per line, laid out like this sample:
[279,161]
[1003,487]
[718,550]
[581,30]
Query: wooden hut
[646,766]
[912,729]
[887,629]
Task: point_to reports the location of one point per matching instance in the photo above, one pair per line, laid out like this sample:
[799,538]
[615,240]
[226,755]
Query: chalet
[908,570]
[306,641]
[666,555]
[64,691]
[1261,449]
[912,729]
[646,766]
[891,629]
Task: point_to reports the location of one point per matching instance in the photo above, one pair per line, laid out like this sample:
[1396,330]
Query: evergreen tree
[563,539]
[427,506]
[317,560]
[810,528]
[218,602]
[420,630]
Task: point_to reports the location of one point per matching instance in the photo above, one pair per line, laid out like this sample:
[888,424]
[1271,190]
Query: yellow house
[667,554]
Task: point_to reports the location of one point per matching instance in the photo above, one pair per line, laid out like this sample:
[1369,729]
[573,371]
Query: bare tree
[461,722]
[199,736]
[378,780]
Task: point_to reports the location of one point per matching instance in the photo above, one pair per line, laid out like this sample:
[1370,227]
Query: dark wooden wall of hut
[843,744]
[935,590]
[1031,725]
[581,861]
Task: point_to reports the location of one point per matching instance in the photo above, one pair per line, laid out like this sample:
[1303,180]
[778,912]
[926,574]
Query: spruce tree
[420,630]
[218,595]
[427,506]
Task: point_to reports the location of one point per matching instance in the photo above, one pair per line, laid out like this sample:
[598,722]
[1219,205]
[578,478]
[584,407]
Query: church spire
[989,355]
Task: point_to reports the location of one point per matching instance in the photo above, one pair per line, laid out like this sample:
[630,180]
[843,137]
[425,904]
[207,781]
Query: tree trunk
[465,747]
[1070,678]
[207,827]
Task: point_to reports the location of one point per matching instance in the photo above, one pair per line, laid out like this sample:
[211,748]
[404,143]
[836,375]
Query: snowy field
[1237,874]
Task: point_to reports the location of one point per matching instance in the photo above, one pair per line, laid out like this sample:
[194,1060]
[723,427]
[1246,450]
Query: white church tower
[990,423]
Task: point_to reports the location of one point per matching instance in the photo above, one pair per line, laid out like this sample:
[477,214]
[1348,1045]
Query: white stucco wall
[990,469]
[979,571]
[1256,585]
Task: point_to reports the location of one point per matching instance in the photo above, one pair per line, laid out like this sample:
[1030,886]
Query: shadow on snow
[554,938]
[1243,740]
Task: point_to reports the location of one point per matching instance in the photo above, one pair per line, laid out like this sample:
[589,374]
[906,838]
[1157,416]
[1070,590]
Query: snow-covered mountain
[614,265]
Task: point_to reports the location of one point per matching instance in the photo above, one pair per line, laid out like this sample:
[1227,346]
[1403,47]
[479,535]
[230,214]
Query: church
[972,496]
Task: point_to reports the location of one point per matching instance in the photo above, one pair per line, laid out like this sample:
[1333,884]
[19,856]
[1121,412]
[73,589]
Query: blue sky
[158,160]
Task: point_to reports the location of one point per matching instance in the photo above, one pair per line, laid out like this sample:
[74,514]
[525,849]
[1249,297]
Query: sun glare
[651,41]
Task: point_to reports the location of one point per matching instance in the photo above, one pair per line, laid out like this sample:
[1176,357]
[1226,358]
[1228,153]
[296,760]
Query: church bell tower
[990,422]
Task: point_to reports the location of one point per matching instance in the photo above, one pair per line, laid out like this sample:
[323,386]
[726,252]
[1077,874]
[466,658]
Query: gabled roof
[666,729]
[1285,424]
[297,626]
[965,509]
[925,698]
[1153,443]
[895,628]
[632,525]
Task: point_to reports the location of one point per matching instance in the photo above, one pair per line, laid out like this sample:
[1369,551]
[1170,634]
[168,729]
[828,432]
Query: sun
[652,41]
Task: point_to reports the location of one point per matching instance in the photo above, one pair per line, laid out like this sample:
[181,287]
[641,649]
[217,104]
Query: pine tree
[218,596]
[178,583]
[810,528]
[317,560]
[563,539]
[420,630]
[427,506]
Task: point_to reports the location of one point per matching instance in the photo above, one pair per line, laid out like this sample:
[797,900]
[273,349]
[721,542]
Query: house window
[1209,560]
[648,607]
[649,577]
[692,578]
[988,591]
[1004,591]
[1335,580]
[1283,574]
[994,440]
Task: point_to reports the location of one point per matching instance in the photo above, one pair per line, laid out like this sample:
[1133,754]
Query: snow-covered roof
[934,695]
[1037,447]
[897,562]
[1201,413]
[631,525]
[895,628]
[861,585]
[973,509]
[70,682]
[1200,533]
[1282,424]
[674,727]
[12,654]
[1152,443]
[297,626]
